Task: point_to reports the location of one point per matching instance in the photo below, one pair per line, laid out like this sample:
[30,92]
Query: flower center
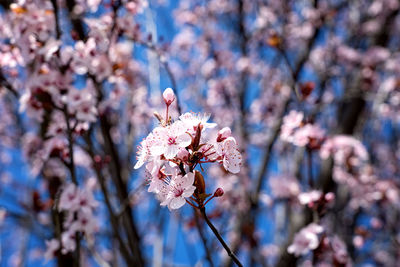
[178,192]
[171,141]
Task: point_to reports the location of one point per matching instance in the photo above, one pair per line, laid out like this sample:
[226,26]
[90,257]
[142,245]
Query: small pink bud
[376,223]
[223,134]
[97,159]
[329,197]
[219,192]
[168,96]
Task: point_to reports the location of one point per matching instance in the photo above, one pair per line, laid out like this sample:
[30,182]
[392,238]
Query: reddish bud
[168,96]
[219,192]
[306,89]
[107,159]
[329,197]
[97,159]
[196,140]
[37,203]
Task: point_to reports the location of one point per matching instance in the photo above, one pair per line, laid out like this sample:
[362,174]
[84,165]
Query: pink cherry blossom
[171,139]
[168,96]
[52,246]
[284,186]
[306,239]
[180,187]
[309,197]
[231,157]
[191,121]
[290,122]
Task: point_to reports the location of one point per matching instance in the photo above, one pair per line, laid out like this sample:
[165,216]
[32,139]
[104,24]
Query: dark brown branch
[116,170]
[56,18]
[203,238]
[220,239]
[71,167]
[7,84]
[114,223]
[76,22]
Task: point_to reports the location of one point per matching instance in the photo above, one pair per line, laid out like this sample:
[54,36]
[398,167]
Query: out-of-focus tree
[292,160]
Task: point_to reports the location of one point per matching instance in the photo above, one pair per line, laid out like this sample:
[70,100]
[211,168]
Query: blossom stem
[219,237]
[166,115]
[207,201]
[203,239]
[191,204]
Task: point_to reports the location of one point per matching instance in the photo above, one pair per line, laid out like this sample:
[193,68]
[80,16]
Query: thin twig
[203,238]
[7,84]
[71,167]
[114,223]
[220,239]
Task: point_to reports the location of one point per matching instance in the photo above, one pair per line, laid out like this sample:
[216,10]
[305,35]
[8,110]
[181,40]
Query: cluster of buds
[174,149]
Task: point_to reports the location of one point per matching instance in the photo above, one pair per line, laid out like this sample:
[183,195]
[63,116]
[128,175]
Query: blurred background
[310,89]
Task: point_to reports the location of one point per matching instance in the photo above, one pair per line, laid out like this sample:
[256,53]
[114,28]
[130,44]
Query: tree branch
[220,239]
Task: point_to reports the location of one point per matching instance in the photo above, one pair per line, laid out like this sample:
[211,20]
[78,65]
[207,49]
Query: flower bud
[329,197]
[168,96]
[223,134]
[199,183]
[196,140]
[219,192]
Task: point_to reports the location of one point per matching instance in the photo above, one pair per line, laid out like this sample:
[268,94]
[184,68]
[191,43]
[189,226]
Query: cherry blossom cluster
[174,149]
[353,169]
[79,205]
[306,239]
[294,130]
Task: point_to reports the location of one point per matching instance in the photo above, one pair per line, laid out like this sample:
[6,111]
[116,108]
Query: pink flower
[83,55]
[309,197]
[52,247]
[68,241]
[284,186]
[306,240]
[191,121]
[171,139]
[223,134]
[82,103]
[86,201]
[86,223]
[158,176]
[168,96]
[344,149]
[308,134]
[79,204]
[144,153]
[290,122]
[339,249]
[170,150]
[231,157]
[180,187]
[69,198]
